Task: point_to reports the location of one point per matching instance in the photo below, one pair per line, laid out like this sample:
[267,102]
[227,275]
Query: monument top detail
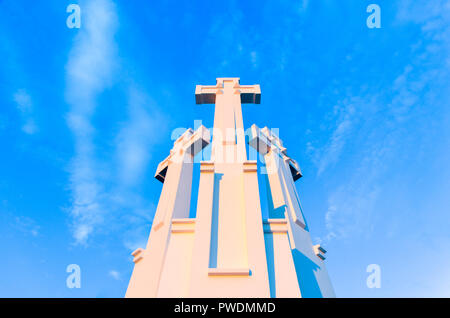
[225,244]
[206,94]
[228,95]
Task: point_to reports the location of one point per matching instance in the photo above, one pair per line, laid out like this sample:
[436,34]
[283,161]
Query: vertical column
[255,232]
[227,102]
[282,187]
[232,242]
[291,194]
[240,134]
[218,133]
[202,245]
[173,200]
[278,240]
[229,139]
[304,272]
[272,160]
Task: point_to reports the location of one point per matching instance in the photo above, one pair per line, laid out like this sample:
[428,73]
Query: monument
[229,247]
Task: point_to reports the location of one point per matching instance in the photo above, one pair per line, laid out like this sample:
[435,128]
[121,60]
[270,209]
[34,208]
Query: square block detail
[275,226]
[228,272]
[250,166]
[319,251]
[183,225]
[206,166]
[138,255]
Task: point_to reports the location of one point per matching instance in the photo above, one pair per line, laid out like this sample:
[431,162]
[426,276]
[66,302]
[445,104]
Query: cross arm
[250,94]
[206,94]
[190,142]
[263,141]
[294,168]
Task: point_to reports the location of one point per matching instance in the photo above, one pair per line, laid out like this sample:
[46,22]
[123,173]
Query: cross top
[228,95]
[206,94]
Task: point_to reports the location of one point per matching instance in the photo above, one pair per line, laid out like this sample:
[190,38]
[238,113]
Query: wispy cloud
[350,212]
[137,136]
[380,129]
[25,107]
[89,71]
[114,274]
[103,186]
[26,225]
[351,206]
[303,5]
[254,59]
[345,114]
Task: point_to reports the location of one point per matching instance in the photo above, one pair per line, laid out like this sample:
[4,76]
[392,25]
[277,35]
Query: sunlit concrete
[229,249]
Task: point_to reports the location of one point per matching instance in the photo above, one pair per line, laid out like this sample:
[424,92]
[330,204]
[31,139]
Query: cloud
[342,122]
[26,225]
[351,208]
[381,130]
[90,70]
[303,6]
[137,136]
[114,274]
[254,59]
[350,212]
[25,107]
[103,188]
[23,101]
[422,11]
[29,127]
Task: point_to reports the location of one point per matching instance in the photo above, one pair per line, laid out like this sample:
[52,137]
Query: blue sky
[87,114]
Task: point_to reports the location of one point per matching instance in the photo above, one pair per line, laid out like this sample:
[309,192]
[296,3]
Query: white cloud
[25,106]
[303,6]
[103,190]
[254,59]
[23,101]
[135,139]
[341,130]
[89,70]
[351,211]
[114,274]
[29,127]
[414,92]
[422,11]
[26,225]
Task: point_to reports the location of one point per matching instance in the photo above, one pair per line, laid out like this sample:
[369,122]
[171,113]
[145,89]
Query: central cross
[228,95]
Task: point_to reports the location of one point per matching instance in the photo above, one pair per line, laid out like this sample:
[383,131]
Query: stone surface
[229,249]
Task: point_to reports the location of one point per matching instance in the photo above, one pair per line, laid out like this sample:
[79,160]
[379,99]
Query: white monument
[229,249]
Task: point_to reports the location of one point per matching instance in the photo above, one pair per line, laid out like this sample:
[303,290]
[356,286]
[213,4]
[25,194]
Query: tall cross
[228,95]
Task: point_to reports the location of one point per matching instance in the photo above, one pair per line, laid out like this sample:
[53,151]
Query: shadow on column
[270,257]
[215,222]
[306,277]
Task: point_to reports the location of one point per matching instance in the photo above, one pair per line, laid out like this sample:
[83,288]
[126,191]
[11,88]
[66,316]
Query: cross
[189,143]
[263,140]
[228,95]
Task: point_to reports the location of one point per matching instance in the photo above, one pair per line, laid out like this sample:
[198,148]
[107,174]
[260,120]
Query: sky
[86,115]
